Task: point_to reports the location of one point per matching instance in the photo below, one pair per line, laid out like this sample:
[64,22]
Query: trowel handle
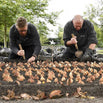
[76,46]
[21,49]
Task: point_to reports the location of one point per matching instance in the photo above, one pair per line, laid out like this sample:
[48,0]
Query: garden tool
[78,53]
[21,49]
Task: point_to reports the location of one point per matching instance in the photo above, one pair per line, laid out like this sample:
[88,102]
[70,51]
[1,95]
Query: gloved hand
[88,55]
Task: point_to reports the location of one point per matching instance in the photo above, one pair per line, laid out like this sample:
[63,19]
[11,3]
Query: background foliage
[94,13]
[36,12]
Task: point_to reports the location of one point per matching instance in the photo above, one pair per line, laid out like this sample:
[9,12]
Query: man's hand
[21,53]
[31,59]
[73,40]
[88,55]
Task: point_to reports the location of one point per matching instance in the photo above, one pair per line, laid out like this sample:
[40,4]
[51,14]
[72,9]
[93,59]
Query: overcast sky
[70,8]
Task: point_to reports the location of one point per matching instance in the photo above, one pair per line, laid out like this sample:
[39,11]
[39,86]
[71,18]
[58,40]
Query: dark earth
[92,89]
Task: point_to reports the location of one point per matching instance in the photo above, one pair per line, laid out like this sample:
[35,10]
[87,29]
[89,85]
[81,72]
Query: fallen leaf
[41,95]
[78,93]
[5,98]
[11,94]
[25,96]
[35,97]
[17,97]
[55,94]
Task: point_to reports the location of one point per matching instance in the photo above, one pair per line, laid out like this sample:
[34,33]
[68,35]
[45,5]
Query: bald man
[84,36]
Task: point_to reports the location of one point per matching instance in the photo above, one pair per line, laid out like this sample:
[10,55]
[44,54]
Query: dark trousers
[68,53]
[28,53]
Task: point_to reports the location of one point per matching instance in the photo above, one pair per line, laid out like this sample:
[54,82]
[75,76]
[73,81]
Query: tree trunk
[5,29]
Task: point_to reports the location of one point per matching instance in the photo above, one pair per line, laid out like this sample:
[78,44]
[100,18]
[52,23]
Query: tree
[95,15]
[60,35]
[34,10]
[7,14]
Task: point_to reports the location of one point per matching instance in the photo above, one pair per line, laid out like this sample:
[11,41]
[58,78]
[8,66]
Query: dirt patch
[65,76]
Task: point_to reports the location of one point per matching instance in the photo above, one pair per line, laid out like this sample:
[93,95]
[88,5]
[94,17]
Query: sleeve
[36,40]
[91,34]
[13,45]
[67,33]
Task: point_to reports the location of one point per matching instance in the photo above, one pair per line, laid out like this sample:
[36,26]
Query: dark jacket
[85,36]
[31,39]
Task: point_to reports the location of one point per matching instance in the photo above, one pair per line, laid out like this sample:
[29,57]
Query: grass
[100,51]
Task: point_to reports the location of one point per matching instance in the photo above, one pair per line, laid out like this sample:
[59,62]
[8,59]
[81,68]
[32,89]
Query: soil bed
[42,68]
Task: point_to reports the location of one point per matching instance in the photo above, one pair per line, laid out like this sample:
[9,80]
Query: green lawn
[100,51]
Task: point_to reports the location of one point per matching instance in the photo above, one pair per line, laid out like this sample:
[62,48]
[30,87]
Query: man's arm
[92,46]
[35,54]
[37,44]
[92,39]
[67,34]
[36,41]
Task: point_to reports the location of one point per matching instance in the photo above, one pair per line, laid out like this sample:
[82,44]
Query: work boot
[97,57]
